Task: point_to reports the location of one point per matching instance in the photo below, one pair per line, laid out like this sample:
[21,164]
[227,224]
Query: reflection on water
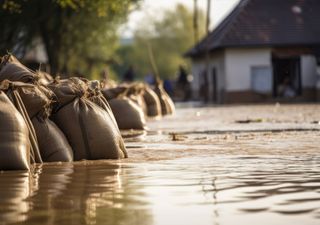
[15,187]
[198,190]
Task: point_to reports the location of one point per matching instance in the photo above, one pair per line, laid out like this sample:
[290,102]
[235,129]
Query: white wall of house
[308,71]
[236,67]
[239,63]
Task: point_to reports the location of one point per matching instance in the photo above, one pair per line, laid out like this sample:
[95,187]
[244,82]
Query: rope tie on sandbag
[32,135]
[12,96]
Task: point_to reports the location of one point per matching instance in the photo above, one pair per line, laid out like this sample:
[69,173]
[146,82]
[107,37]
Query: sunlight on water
[198,190]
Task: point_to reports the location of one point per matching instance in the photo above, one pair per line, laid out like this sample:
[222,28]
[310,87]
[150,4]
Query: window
[261,79]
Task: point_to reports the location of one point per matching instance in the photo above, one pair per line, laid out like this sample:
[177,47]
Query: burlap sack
[53,145]
[37,100]
[95,95]
[13,70]
[89,128]
[127,113]
[14,137]
[110,93]
[167,105]
[14,96]
[152,102]
[44,78]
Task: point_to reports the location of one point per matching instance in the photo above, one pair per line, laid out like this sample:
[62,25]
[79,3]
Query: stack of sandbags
[89,128]
[37,100]
[12,69]
[14,137]
[153,101]
[47,141]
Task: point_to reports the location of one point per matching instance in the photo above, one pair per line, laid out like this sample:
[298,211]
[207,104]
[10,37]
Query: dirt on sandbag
[89,128]
[11,69]
[152,102]
[14,137]
[53,145]
[167,105]
[127,113]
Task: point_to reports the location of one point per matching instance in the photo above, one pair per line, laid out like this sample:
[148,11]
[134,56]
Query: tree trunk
[50,32]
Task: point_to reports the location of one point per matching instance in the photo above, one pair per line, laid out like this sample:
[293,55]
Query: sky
[219,9]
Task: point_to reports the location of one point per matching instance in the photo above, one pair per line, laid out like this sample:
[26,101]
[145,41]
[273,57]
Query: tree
[75,33]
[169,38]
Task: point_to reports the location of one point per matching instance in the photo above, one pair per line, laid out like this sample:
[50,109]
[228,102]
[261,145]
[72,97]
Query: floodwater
[203,178]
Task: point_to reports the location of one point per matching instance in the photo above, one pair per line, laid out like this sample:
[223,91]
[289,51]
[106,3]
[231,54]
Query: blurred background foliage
[78,35]
[170,36]
[81,37]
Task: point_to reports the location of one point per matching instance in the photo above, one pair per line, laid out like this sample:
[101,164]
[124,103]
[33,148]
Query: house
[264,50]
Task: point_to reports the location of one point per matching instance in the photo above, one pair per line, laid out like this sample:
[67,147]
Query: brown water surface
[233,189]
[200,178]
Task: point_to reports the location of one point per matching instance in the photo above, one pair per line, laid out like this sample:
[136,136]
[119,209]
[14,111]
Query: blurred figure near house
[129,75]
[204,87]
[182,87]
[150,79]
[168,87]
[285,89]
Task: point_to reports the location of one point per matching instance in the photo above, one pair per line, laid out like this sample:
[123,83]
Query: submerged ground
[255,164]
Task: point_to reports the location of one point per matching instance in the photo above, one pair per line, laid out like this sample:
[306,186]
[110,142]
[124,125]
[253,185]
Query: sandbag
[135,93]
[152,102]
[51,142]
[89,128]
[167,105]
[14,96]
[95,95]
[139,100]
[53,145]
[110,93]
[14,137]
[127,113]
[13,70]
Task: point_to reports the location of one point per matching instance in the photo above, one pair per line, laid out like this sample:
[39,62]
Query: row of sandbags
[133,103]
[57,120]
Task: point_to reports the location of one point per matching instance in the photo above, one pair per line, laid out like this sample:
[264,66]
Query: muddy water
[199,178]
[237,189]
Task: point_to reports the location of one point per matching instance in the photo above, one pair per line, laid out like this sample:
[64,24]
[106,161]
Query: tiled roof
[265,23]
